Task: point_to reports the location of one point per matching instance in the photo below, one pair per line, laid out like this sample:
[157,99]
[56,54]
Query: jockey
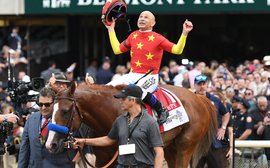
[146,49]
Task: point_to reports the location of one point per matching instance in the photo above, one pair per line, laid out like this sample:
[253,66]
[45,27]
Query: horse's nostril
[54,145]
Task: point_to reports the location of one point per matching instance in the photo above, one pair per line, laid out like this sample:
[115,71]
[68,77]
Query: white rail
[252,143]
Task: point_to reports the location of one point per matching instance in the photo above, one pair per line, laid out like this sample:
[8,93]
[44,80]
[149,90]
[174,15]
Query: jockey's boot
[152,101]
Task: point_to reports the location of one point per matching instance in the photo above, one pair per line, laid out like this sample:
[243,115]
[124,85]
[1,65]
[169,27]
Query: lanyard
[128,125]
[43,125]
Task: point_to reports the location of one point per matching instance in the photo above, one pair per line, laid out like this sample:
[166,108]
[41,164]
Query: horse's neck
[98,110]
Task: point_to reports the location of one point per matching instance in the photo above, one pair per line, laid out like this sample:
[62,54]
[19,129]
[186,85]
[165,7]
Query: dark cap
[106,59]
[60,77]
[236,99]
[130,90]
[200,78]
[245,103]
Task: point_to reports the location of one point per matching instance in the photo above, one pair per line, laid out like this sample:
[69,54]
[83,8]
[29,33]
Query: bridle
[70,138]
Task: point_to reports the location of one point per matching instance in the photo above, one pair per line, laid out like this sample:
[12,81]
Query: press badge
[126,149]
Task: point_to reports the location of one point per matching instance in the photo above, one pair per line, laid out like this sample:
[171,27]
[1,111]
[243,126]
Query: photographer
[8,145]
[222,72]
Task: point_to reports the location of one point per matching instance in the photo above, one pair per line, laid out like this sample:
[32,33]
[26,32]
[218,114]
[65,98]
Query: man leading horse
[137,133]
[146,49]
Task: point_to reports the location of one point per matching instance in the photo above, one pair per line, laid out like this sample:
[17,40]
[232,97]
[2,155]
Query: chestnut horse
[95,106]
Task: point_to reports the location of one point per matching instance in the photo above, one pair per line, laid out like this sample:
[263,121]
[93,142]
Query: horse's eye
[65,114]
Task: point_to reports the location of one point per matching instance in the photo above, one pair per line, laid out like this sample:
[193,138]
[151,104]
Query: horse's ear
[73,87]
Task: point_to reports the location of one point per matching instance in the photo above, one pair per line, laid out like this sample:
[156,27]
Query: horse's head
[65,120]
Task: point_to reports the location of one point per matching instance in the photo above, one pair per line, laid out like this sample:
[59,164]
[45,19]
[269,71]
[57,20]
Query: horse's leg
[179,153]
[170,153]
[185,154]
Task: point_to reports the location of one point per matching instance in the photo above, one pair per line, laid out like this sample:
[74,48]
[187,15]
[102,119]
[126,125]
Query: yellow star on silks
[135,36]
[151,38]
[149,56]
[139,46]
[138,63]
[131,53]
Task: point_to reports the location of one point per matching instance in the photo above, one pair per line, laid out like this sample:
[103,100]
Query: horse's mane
[85,86]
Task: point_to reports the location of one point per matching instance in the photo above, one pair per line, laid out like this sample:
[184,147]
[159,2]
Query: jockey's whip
[151,70]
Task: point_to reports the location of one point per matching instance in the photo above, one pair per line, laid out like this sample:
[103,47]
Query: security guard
[243,121]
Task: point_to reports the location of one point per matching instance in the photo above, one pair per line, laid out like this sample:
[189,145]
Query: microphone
[58,128]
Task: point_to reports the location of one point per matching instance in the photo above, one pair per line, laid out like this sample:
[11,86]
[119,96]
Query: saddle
[177,113]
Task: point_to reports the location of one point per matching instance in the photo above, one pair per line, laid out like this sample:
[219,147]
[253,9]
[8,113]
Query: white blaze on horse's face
[52,133]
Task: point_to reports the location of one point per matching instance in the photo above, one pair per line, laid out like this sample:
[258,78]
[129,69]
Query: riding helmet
[113,9]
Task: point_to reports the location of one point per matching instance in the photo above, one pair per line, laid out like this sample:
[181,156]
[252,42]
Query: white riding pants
[148,84]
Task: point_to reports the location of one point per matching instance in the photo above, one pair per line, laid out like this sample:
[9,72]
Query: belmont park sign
[156,6]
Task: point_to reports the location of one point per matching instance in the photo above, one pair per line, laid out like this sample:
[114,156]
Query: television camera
[19,93]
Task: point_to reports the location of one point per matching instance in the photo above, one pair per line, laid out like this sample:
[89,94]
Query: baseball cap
[236,99]
[130,90]
[106,59]
[200,78]
[60,77]
[245,103]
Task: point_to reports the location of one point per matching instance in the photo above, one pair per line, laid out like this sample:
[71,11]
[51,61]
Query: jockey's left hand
[220,134]
[187,27]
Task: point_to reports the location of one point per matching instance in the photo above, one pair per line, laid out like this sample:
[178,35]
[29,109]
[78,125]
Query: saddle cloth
[177,113]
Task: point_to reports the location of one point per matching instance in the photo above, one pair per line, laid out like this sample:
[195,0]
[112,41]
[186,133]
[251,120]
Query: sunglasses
[200,78]
[45,104]
[248,94]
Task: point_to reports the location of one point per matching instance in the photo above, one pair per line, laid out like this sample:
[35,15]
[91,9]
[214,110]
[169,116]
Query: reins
[70,139]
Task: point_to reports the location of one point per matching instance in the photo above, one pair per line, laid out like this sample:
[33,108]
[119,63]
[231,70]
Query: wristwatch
[223,127]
